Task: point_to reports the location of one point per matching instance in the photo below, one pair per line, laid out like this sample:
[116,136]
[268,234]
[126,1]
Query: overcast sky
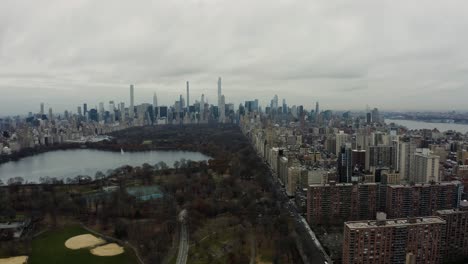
[346,54]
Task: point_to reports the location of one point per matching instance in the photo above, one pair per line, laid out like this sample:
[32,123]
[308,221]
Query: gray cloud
[345,54]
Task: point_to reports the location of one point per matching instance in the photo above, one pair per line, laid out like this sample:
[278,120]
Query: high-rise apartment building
[338,202]
[456,239]
[344,163]
[422,199]
[380,157]
[341,139]
[391,241]
[407,150]
[425,167]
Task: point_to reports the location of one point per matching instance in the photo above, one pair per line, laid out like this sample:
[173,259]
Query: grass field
[49,248]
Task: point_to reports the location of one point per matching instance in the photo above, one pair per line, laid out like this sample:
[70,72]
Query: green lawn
[49,248]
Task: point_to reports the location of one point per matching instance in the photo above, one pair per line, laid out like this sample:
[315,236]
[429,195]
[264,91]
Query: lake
[64,164]
[411,124]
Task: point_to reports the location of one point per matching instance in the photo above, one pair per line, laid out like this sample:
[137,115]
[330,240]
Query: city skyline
[399,57]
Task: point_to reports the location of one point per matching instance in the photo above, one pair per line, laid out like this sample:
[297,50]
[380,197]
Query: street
[311,246]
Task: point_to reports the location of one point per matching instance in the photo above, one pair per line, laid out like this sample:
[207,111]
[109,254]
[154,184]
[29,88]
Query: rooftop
[445,183]
[342,184]
[395,222]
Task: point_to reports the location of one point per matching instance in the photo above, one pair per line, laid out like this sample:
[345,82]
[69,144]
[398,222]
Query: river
[411,124]
[64,164]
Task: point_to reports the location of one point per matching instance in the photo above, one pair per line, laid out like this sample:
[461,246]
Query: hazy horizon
[393,55]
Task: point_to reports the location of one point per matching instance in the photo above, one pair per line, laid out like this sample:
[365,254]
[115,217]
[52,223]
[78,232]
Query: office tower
[42,109]
[101,110]
[163,111]
[375,115]
[93,115]
[85,109]
[425,167]
[155,100]
[317,109]
[219,92]
[111,106]
[456,243]
[121,107]
[50,117]
[334,203]
[392,240]
[132,106]
[79,110]
[188,96]
[422,199]
[285,107]
[368,118]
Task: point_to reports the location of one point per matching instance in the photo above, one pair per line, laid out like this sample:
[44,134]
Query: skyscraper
[131,109]
[85,108]
[202,107]
[42,109]
[317,112]
[181,104]
[219,92]
[50,117]
[111,106]
[222,110]
[188,96]
[101,109]
[341,139]
[155,100]
[79,110]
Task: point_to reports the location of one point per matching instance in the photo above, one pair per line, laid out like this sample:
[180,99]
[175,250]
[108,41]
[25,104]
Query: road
[182,255]
[311,247]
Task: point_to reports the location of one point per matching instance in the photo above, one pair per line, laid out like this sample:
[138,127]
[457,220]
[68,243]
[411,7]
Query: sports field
[49,248]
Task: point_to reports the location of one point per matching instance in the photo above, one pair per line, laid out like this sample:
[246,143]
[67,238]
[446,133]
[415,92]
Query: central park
[233,216]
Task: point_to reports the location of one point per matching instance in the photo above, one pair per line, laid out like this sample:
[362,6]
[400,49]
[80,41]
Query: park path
[184,239]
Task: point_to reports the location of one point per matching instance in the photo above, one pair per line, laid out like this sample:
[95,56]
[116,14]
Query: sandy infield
[14,260]
[83,241]
[108,250]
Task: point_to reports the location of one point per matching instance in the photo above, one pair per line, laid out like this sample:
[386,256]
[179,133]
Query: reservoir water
[411,124]
[64,164]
